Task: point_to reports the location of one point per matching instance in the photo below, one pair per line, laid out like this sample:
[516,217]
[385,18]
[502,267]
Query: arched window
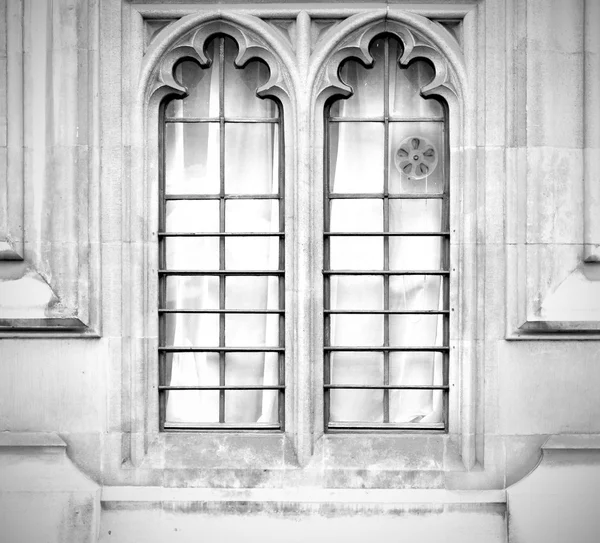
[221,245]
[386,248]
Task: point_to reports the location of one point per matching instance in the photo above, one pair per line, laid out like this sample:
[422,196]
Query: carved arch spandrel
[187,39]
[421,38]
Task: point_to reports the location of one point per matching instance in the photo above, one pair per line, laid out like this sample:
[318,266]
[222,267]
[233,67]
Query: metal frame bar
[222,350]
[385,273]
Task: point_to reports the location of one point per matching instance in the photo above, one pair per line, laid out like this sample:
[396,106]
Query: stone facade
[80,85]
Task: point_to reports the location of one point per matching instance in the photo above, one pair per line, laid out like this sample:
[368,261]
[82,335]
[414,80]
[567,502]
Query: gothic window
[386,249]
[221,245]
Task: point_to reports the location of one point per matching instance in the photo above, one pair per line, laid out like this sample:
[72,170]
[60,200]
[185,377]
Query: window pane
[241,85]
[405,88]
[356,154]
[356,368]
[356,330]
[192,253]
[192,158]
[251,158]
[192,292]
[415,253]
[356,216]
[356,405]
[194,330]
[251,406]
[251,369]
[192,407]
[367,86]
[425,406]
[360,292]
[202,85]
[250,253]
[416,158]
[192,216]
[356,253]
[416,330]
[252,216]
[252,330]
[416,215]
[252,293]
[416,368]
[416,292]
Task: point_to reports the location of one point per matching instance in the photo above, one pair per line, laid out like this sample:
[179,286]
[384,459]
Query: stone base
[274,515]
[559,500]
[43,497]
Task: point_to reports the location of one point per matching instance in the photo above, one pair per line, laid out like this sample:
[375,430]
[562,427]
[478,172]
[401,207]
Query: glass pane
[192,216]
[416,215]
[367,86]
[360,292]
[250,253]
[356,154]
[251,369]
[252,330]
[252,216]
[356,253]
[192,253]
[416,253]
[192,406]
[416,292]
[251,158]
[416,330]
[192,158]
[241,86]
[405,88]
[356,216]
[192,369]
[194,330]
[416,158]
[416,368]
[356,368]
[202,85]
[356,330]
[252,293]
[251,406]
[416,406]
[192,292]
[356,406]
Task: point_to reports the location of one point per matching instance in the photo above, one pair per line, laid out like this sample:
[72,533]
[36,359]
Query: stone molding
[49,171]
[552,227]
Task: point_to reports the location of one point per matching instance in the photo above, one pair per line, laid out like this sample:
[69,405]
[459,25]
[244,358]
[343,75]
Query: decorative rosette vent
[416,157]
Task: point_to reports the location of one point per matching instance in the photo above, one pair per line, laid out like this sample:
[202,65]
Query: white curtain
[193,167]
[357,155]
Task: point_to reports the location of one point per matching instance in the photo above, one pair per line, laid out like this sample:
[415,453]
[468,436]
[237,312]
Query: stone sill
[302,495]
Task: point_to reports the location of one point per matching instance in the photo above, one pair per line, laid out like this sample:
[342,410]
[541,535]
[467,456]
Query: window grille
[221,250]
[386,249]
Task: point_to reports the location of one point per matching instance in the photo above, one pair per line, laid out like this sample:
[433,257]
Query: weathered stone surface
[39,481]
[559,499]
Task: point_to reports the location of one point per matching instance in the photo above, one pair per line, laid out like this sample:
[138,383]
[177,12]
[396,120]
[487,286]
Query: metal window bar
[222,274]
[385,273]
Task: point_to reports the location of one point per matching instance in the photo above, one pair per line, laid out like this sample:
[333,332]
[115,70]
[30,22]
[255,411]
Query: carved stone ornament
[416,157]
[192,45]
[414,32]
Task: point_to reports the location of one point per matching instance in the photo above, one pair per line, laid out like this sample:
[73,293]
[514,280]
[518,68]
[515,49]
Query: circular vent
[416,157]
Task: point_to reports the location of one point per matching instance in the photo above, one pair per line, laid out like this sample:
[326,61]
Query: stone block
[560,499]
[43,496]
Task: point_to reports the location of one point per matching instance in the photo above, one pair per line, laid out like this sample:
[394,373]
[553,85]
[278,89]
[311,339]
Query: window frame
[303,81]
[223,273]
